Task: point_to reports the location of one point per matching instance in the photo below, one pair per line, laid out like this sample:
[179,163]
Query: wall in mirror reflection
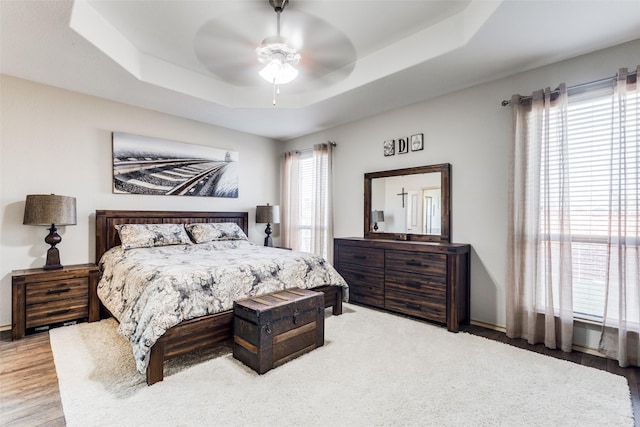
[421,196]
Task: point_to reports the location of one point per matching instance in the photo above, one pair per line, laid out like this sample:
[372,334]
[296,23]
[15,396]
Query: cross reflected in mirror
[403,194]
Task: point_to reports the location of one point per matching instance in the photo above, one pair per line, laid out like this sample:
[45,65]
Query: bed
[199,332]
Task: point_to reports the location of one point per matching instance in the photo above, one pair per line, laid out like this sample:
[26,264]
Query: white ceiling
[195,59]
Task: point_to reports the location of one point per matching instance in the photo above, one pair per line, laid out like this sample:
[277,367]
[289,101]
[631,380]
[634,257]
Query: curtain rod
[305,150]
[506,102]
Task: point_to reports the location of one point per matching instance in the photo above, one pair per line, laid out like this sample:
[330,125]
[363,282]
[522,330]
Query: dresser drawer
[56,311]
[366,285]
[433,286]
[430,306]
[416,262]
[369,257]
[42,292]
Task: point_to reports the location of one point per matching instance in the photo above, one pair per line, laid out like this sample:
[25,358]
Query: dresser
[425,280]
[45,297]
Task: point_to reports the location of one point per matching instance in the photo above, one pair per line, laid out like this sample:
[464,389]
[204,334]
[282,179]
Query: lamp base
[53,255]
[53,259]
[268,241]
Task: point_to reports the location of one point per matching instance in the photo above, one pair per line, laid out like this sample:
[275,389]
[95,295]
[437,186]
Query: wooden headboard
[107,236]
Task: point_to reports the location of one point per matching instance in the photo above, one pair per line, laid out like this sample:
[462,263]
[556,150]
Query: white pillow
[151,235]
[212,231]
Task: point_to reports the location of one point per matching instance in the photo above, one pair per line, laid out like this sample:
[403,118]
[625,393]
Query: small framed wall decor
[390,147]
[403,145]
[417,142]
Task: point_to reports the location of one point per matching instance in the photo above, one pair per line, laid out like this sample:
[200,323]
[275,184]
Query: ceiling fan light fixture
[278,73]
[278,57]
[279,60]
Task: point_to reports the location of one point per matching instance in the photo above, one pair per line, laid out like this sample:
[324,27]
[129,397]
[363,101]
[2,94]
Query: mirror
[408,204]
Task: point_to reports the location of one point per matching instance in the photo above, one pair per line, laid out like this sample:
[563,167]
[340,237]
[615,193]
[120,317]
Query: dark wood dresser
[422,279]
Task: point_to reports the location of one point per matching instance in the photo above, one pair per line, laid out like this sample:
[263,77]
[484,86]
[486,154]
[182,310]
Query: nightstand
[45,297]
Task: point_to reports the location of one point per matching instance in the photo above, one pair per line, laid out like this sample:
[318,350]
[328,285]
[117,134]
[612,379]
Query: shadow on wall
[484,294]
[21,235]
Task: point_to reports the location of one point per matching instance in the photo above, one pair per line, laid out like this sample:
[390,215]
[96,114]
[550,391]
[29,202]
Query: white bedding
[150,290]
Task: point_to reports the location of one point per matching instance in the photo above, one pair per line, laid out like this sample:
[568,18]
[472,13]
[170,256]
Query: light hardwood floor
[29,394]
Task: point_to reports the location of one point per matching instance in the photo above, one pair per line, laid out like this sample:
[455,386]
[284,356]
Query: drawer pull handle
[413,306]
[415,285]
[360,256]
[57,291]
[414,263]
[56,313]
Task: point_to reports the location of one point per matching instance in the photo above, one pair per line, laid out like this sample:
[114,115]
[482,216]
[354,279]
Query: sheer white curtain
[539,270]
[306,222]
[621,324]
[322,218]
[290,201]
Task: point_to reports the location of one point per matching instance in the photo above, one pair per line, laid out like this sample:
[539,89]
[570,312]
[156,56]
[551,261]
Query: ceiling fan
[279,58]
[305,48]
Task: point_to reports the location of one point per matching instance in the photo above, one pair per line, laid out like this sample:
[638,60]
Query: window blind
[592,130]
[305,209]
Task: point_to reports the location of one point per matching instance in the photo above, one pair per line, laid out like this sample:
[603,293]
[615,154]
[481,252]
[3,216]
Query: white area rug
[374,369]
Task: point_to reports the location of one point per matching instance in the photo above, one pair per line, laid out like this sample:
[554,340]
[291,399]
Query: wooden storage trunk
[271,329]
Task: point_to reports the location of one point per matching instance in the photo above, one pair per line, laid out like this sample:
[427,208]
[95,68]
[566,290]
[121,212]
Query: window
[306,201]
[591,126]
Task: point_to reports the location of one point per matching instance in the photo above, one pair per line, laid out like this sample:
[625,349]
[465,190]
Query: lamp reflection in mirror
[50,209]
[376,217]
[268,214]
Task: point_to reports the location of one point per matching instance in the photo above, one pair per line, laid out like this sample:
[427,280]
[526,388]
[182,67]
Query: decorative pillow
[150,235]
[212,231]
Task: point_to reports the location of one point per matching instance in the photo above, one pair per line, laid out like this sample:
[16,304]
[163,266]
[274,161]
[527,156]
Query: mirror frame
[445,188]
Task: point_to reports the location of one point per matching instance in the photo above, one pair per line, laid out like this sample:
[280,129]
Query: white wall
[470,130]
[57,141]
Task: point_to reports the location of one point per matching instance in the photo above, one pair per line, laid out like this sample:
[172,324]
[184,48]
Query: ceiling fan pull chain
[274,91]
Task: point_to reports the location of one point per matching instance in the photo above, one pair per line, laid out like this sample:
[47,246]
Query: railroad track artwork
[165,171]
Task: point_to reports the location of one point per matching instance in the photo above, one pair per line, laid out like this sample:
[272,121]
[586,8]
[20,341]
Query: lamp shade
[47,209]
[268,214]
[377,216]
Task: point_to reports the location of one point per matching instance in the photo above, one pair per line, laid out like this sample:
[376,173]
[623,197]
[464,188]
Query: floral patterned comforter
[149,290]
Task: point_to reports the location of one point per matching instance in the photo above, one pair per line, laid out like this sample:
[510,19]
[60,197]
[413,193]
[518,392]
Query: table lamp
[268,214]
[50,209]
[376,217]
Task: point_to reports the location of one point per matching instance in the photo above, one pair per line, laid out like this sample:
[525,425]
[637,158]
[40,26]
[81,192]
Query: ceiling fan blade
[226,46]
[226,50]
[323,48]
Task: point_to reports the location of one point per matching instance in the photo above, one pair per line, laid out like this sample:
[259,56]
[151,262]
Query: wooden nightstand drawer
[416,262]
[57,290]
[46,297]
[57,311]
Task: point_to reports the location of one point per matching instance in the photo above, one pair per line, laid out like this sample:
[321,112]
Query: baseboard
[581,349]
[588,350]
[5,328]
[489,326]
